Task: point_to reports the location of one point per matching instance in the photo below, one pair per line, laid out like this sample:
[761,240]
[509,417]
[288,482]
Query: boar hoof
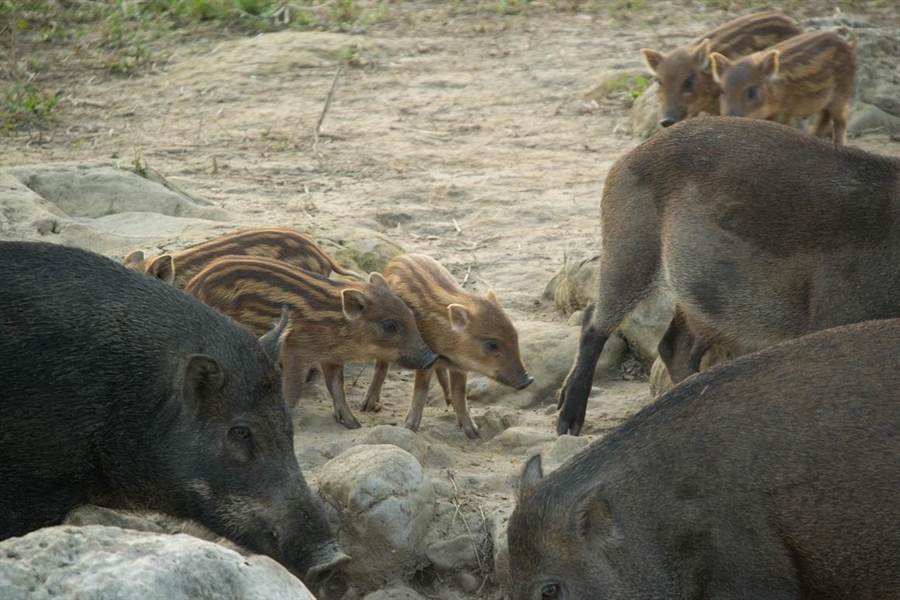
[472,432]
[572,404]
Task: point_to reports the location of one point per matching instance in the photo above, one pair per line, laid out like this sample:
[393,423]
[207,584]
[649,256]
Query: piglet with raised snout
[332,322]
[471,333]
[810,74]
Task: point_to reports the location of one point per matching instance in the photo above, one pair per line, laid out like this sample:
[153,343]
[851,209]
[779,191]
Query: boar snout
[330,561]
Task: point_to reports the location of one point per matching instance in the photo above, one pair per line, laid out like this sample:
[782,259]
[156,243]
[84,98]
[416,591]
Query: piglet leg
[420,397]
[458,400]
[372,403]
[334,381]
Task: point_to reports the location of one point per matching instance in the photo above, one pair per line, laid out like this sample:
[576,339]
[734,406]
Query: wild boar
[117,389]
[686,86]
[470,333]
[332,322]
[810,74]
[773,476]
[283,244]
[760,232]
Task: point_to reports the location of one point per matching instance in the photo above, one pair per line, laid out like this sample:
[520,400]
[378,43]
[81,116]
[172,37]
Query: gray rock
[396,435]
[98,563]
[384,503]
[644,116]
[395,593]
[519,439]
[454,553]
[367,249]
[563,448]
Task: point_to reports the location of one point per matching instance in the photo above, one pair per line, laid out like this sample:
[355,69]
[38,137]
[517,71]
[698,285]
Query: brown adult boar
[686,86]
[760,232]
[332,322]
[284,244]
[774,476]
[469,332]
[810,74]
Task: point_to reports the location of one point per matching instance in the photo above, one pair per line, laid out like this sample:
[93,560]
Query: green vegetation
[627,85]
[24,105]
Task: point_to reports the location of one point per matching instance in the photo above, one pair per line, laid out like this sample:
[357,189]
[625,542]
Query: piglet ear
[201,380]
[271,342]
[162,267]
[770,63]
[377,279]
[701,54]
[532,473]
[459,317]
[134,259]
[652,58]
[492,298]
[353,302]
[719,65]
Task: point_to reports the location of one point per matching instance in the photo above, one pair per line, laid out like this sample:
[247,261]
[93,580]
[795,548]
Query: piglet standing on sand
[469,332]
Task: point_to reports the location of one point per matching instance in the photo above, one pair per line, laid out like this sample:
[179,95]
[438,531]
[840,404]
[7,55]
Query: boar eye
[390,327]
[688,86]
[550,591]
[752,92]
[240,432]
[491,346]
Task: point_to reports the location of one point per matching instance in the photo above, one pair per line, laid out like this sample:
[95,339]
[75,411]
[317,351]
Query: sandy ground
[461,136]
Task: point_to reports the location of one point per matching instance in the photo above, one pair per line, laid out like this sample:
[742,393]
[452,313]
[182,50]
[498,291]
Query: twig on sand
[455,499]
[466,278]
[326,106]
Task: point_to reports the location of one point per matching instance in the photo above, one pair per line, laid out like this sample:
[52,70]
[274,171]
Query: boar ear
[162,267]
[353,302]
[652,58]
[592,516]
[133,259]
[492,298]
[202,378]
[701,54]
[459,317]
[719,64]
[272,340]
[377,279]
[532,473]
[769,64]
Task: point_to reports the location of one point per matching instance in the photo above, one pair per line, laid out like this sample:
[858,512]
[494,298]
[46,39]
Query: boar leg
[572,397]
[295,372]
[372,403]
[334,381]
[680,350]
[420,397]
[443,378]
[458,400]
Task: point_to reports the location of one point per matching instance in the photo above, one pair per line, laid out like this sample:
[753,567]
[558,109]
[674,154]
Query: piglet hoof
[347,420]
[472,432]
[371,405]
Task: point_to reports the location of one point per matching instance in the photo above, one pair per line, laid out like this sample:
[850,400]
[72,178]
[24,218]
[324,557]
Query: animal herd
[167,383]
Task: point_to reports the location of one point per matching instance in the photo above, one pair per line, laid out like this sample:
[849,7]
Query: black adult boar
[761,233]
[120,390]
[776,477]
